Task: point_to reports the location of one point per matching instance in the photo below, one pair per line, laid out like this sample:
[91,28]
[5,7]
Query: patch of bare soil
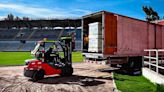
[86,78]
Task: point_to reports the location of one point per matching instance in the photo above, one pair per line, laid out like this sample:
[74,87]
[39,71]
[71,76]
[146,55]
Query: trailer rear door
[110,33]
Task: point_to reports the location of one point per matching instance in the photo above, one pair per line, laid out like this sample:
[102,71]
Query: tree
[151,15]
[10,16]
[147,12]
[25,18]
[155,16]
[17,18]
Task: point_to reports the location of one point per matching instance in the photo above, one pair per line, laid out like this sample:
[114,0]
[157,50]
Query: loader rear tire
[38,75]
[67,71]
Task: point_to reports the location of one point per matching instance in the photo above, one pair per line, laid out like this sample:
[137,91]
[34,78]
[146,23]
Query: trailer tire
[38,75]
[134,65]
[133,62]
[136,62]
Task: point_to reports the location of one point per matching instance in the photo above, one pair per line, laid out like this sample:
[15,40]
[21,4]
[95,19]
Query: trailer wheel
[133,66]
[136,62]
[133,62]
[38,75]
[66,71]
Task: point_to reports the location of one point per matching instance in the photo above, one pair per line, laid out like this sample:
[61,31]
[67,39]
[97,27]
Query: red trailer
[123,39]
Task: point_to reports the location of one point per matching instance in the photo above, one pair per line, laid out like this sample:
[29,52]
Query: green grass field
[126,83]
[17,58]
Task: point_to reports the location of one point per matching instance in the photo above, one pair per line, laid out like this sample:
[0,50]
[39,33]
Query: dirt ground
[86,78]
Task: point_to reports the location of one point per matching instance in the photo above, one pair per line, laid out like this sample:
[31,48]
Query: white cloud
[147,1]
[83,11]
[2,17]
[41,12]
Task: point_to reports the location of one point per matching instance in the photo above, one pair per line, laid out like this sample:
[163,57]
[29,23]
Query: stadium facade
[21,35]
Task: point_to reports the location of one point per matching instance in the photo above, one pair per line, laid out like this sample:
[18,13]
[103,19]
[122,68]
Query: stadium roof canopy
[40,23]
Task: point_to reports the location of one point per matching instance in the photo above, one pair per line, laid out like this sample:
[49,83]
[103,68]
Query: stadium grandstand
[21,35]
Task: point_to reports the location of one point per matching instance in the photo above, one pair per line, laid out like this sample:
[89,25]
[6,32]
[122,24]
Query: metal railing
[154,57]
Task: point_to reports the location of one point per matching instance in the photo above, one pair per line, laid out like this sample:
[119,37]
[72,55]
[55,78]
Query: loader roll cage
[54,49]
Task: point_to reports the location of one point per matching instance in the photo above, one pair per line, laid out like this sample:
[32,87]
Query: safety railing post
[157,61]
[149,60]
[143,61]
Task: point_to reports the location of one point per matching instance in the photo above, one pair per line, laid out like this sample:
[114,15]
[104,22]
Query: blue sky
[76,8]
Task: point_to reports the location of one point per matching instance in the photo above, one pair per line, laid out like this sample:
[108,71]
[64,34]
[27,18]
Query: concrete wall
[153,76]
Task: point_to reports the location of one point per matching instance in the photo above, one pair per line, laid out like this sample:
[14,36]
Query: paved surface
[86,78]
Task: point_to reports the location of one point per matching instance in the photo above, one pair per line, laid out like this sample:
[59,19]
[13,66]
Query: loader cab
[52,51]
[46,48]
